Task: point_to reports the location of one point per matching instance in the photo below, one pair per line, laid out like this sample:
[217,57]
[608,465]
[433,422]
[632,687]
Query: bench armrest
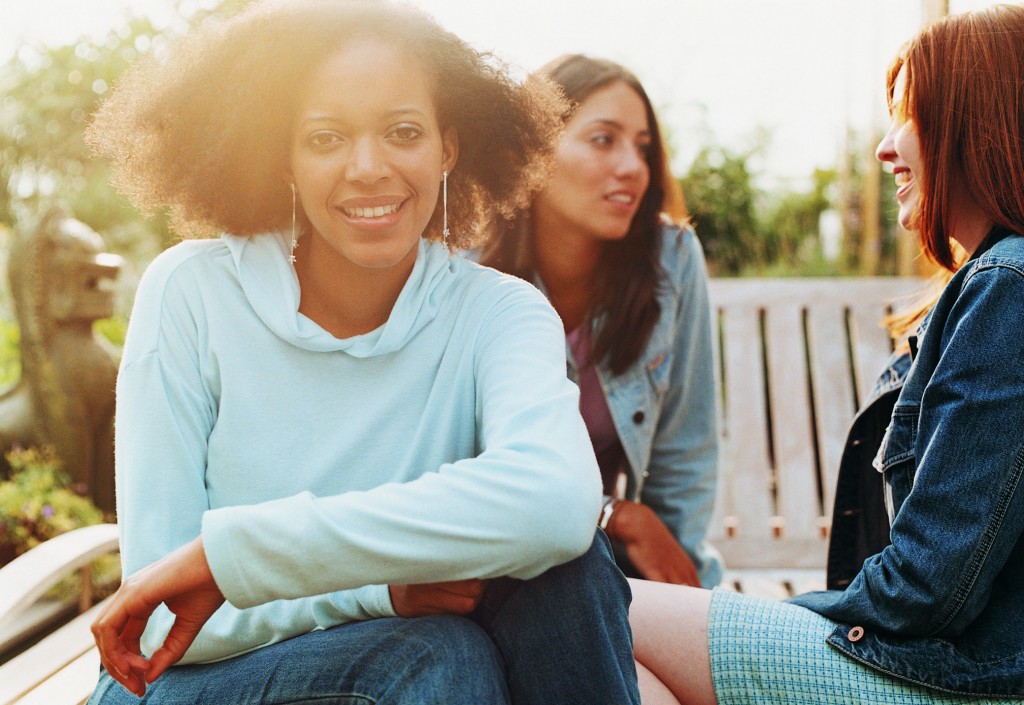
[25,579]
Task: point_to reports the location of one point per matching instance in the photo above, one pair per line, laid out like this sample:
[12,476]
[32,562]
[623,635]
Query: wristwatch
[606,513]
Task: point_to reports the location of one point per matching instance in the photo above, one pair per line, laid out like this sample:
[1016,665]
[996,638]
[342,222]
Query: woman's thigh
[393,661]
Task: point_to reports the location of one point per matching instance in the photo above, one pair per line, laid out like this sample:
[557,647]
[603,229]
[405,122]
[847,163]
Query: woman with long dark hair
[607,241]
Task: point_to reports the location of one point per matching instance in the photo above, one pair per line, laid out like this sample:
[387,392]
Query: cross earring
[295,236]
[444,230]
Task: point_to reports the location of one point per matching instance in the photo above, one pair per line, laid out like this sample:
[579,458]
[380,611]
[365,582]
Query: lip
[625,201]
[382,220]
[903,188]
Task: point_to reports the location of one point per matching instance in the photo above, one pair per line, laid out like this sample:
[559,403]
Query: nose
[367,161]
[631,161]
[886,149]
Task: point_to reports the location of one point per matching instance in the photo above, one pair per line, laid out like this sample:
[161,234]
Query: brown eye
[323,138]
[406,133]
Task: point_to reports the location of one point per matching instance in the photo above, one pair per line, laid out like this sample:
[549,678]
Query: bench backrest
[795,358]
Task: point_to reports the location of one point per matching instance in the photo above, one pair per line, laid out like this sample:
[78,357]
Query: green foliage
[790,227]
[46,98]
[721,197]
[49,94]
[10,356]
[113,329]
[850,201]
[36,502]
[747,232]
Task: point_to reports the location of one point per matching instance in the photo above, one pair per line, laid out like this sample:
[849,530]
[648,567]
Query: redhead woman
[935,616]
[606,240]
[350,467]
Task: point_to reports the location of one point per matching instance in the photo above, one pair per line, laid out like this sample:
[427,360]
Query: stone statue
[61,282]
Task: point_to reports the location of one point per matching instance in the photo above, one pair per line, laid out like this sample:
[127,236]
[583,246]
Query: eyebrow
[389,115]
[616,124]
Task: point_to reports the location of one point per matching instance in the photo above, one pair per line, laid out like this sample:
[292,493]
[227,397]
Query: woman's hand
[454,597]
[181,580]
[649,545]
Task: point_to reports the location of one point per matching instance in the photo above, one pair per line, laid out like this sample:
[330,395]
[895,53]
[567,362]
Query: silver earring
[295,238]
[444,230]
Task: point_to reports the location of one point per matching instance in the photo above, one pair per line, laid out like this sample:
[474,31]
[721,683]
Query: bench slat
[871,348]
[35,665]
[72,685]
[832,386]
[798,504]
[746,506]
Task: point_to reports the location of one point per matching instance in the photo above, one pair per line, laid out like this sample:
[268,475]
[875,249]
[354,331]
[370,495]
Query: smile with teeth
[903,178]
[373,212]
[620,198]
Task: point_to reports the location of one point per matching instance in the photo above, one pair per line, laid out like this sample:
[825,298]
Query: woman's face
[367,154]
[601,170]
[901,148]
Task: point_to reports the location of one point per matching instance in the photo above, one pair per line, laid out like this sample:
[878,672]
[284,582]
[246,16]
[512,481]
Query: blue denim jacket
[943,605]
[664,406]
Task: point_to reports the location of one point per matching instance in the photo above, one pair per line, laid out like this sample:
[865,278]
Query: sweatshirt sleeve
[166,408]
[526,502]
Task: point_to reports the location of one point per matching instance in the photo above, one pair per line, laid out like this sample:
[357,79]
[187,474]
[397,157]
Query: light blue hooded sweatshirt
[446,444]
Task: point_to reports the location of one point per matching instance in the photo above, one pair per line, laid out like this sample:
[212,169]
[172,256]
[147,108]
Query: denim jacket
[664,408]
[860,523]
[943,604]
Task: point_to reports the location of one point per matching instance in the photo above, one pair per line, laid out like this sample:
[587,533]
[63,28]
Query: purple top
[594,408]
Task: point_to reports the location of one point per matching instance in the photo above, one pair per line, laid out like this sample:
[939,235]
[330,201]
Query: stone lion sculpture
[61,283]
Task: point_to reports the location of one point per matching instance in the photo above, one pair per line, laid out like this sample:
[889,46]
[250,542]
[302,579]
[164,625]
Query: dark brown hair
[624,297]
[205,129]
[965,95]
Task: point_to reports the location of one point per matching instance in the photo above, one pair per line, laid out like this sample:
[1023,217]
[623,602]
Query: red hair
[965,95]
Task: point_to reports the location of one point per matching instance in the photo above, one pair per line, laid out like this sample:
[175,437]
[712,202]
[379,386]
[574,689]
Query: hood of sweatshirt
[268,279]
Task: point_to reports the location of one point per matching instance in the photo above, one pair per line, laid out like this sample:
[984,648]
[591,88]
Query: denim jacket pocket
[895,458]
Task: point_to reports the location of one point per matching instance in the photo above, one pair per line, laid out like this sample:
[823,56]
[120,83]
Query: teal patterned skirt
[765,652]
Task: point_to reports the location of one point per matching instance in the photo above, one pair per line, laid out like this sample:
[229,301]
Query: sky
[804,72]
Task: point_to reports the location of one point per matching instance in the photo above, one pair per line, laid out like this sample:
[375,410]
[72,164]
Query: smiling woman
[367,447]
[367,176]
[932,616]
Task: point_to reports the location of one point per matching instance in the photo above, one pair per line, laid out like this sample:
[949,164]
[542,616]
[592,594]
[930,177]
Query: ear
[449,149]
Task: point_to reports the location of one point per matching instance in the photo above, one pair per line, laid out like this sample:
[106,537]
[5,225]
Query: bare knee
[670,638]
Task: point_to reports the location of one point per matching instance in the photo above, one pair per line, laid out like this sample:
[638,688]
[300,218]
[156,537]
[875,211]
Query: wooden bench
[795,358]
[62,667]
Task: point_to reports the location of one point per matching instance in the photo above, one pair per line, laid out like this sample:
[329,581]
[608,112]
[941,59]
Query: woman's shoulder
[493,285]
[1001,261]
[682,257]
[489,291]
[181,270]
[185,255]
[1007,250]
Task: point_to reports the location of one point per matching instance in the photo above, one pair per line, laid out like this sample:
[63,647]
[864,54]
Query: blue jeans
[561,638]
[564,636]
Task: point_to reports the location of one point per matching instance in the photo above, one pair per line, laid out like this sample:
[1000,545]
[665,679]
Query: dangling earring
[295,235]
[444,231]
